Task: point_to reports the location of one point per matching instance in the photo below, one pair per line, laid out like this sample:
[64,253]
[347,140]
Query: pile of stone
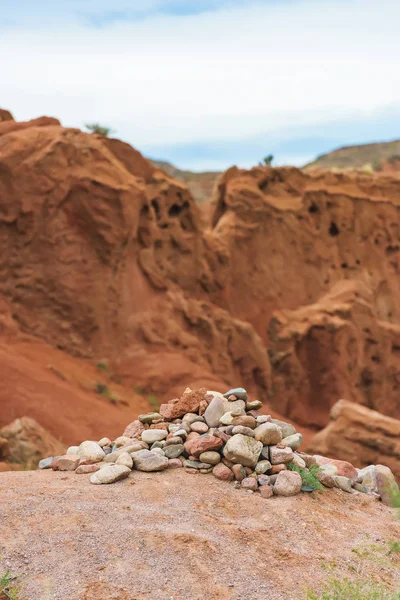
[226,435]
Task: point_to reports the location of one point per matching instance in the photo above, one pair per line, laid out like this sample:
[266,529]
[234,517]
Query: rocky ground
[172,535]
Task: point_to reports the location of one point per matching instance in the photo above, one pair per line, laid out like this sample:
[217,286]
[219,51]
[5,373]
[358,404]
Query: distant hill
[200,184]
[384,156]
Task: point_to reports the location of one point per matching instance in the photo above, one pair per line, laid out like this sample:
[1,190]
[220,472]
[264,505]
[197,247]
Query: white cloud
[219,75]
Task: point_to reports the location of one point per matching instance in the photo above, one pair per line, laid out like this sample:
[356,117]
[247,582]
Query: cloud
[232,73]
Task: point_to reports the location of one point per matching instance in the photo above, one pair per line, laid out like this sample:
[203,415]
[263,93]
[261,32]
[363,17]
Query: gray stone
[182,433]
[159,451]
[112,457]
[160,444]
[263,419]
[243,449]
[146,460]
[173,451]
[280,456]
[46,462]
[386,484]
[255,405]
[298,461]
[243,430]
[263,480]
[262,467]
[151,418]
[288,483]
[268,434]
[343,483]
[91,451]
[193,418]
[293,441]
[109,474]
[154,435]
[286,428]
[236,405]
[214,412]
[240,393]
[210,457]
[73,450]
[249,483]
[265,452]
[194,464]
[359,487]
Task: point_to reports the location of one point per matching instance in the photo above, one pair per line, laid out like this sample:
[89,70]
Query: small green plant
[394,493]
[153,401]
[394,548]
[102,389]
[268,160]
[99,129]
[138,389]
[102,366]
[345,589]
[8,588]
[308,476]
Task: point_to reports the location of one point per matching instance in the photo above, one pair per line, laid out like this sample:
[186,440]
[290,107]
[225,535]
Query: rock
[214,411]
[159,451]
[174,451]
[145,460]
[237,405]
[245,421]
[203,444]
[361,488]
[308,459]
[240,393]
[68,462]
[288,483]
[262,467]
[85,469]
[243,430]
[286,428]
[170,441]
[73,450]
[265,452]
[125,459]
[188,403]
[134,429]
[386,484]
[266,491]
[243,449]
[226,418]
[263,419]
[343,483]
[221,471]
[263,480]
[104,442]
[293,441]
[122,440]
[159,425]
[326,478]
[249,483]
[221,435]
[195,464]
[199,427]
[275,469]
[357,434]
[367,477]
[113,456]
[27,442]
[91,452]
[150,417]
[255,405]
[298,461]
[175,463]
[110,474]
[210,457]
[344,468]
[154,435]
[239,472]
[279,455]
[181,433]
[193,418]
[268,434]
[45,463]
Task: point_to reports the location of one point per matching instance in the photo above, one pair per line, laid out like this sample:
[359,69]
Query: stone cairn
[223,434]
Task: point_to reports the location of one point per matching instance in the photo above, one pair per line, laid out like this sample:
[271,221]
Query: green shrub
[102,366]
[99,129]
[154,403]
[308,476]
[7,587]
[345,589]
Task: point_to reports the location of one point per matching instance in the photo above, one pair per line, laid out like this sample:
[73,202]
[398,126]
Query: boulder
[189,402]
[243,449]
[268,434]
[288,483]
[110,474]
[145,460]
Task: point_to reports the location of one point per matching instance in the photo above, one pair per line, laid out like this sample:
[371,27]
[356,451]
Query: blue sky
[207,83]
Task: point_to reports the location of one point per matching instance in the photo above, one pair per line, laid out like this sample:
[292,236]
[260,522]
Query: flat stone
[343,483]
[286,428]
[245,421]
[159,451]
[154,435]
[288,483]
[210,457]
[146,460]
[110,474]
[182,433]
[199,427]
[194,464]
[238,392]
[203,444]
[278,455]
[214,411]
[68,462]
[91,452]
[226,418]
[344,468]
[122,440]
[221,471]
[85,469]
[243,449]
[150,417]
[293,441]
[275,469]
[237,405]
[125,459]
[113,456]
[268,434]
[45,463]
[193,418]
[249,483]
[266,491]
[172,441]
[243,430]
[262,467]
[255,405]
[173,451]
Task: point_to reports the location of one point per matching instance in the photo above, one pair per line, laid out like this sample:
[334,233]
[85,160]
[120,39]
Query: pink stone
[344,468]
[250,483]
[239,471]
[68,462]
[189,402]
[174,463]
[199,427]
[266,491]
[134,429]
[83,469]
[221,471]
[203,444]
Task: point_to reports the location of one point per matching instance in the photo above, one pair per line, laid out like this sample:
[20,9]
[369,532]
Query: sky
[209,83]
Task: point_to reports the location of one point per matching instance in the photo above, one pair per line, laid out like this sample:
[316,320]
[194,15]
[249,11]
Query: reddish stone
[344,468]
[222,435]
[221,471]
[83,469]
[227,462]
[199,427]
[191,471]
[175,463]
[239,472]
[277,469]
[68,462]
[266,491]
[250,483]
[245,420]
[203,444]
[172,439]
[160,425]
[249,470]
[203,407]
[189,402]
[134,429]
[232,398]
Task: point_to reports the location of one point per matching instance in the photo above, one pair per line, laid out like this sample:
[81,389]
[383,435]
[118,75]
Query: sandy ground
[175,536]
